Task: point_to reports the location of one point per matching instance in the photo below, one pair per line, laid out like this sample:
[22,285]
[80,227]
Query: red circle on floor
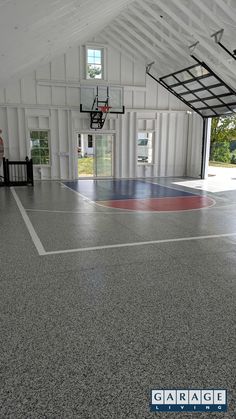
[182,203]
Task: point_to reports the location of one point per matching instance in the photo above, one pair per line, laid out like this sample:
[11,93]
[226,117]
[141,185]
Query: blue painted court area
[104,190]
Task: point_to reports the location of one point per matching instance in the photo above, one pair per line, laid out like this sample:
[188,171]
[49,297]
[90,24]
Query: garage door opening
[222,156]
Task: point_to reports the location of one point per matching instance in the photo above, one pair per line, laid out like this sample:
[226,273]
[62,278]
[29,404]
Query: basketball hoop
[104,108]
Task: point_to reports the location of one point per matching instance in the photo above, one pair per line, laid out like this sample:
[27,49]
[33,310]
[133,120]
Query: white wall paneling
[13,134]
[4,127]
[63,143]
[49,98]
[23,149]
[58,68]
[28,89]
[114,64]
[55,159]
[132,135]
[13,92]
[44,72]
[72,64]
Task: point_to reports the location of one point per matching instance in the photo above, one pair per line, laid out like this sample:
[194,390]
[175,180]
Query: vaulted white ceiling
[163,30]
[34,31]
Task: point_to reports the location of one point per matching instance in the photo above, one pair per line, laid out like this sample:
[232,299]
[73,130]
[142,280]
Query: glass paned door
[103,155]
[95,155]
[85,150]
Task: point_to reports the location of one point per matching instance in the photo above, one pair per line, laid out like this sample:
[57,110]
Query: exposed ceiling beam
[122,48]
[192,16]
[153,51]
[128,48]
[151,26]
[148,11]
[201,4]
[117,47]
[227,10]
[187,39]
[142,49]
[146,8]
[197,37]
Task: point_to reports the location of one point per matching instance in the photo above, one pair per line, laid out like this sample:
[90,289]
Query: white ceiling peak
[33,32]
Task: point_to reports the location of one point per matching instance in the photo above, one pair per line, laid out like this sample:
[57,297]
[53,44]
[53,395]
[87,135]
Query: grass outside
[220,164]
[85,166]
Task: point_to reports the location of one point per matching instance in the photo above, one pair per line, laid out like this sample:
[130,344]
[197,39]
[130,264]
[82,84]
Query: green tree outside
[223,136]
[93,72]
[221,152]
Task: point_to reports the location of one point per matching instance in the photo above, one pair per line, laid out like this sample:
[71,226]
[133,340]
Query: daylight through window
[145,147]
[94,63]
[40,147]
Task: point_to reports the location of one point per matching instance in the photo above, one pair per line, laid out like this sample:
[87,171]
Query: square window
[194,85]
[220,90]
[199,71]
[189,97]
[180,89]
[209,81]
[169,80]
[213,102]
[203,93]
[229,99]
[184,76]
[199,105]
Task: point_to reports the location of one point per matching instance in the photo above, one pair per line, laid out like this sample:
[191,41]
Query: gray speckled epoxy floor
[88,335]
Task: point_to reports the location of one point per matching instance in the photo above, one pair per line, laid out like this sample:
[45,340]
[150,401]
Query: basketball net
[104,108]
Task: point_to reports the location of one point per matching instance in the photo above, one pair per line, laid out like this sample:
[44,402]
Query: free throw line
[31,230]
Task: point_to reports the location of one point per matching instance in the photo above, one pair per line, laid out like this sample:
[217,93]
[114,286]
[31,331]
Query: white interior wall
[49,98]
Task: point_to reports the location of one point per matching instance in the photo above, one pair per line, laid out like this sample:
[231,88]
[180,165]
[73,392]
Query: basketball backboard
[91,95]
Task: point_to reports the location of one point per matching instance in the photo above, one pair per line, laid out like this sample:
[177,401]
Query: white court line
[118,211]
[115,246]
[80,194]
[31,230]
[115,212]
[68,212]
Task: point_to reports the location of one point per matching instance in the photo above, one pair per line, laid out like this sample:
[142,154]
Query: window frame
[49,150]
[102,48]
[144,163]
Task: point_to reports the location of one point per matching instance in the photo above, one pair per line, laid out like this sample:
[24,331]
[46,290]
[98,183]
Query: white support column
[207,149]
